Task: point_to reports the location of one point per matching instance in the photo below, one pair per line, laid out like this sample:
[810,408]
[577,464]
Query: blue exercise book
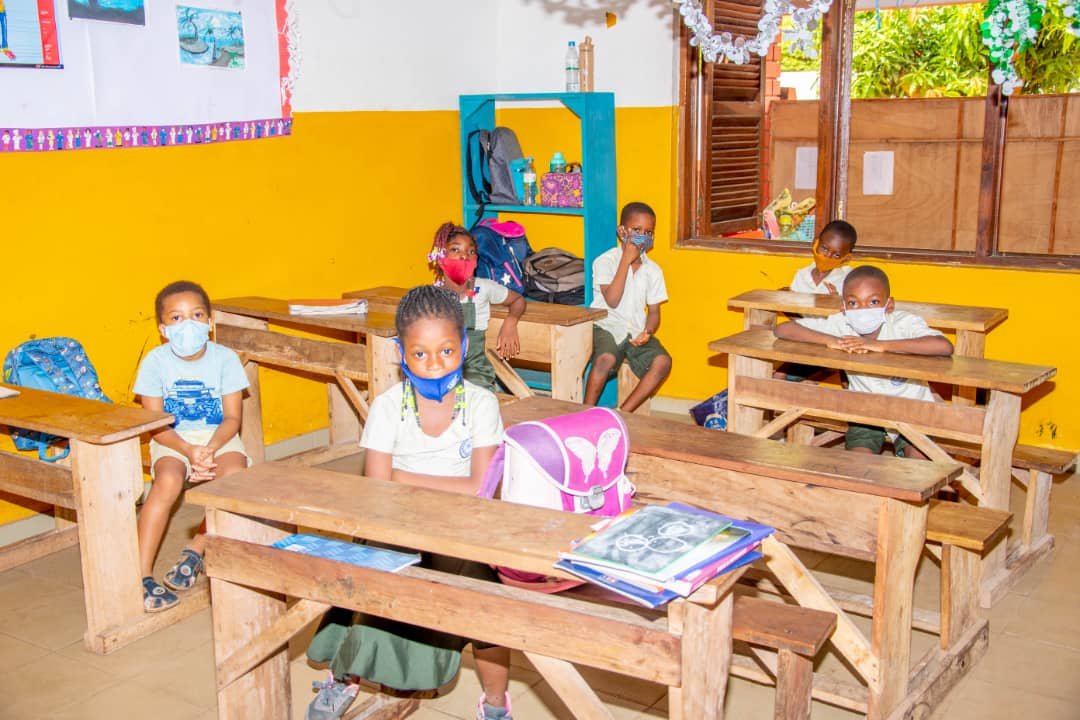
[347,552]
[631,591]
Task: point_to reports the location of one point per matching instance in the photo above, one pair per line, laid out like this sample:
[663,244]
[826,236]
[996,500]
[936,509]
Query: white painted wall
[392,55]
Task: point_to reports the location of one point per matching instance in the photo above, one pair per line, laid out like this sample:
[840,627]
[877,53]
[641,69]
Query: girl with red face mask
[453,259]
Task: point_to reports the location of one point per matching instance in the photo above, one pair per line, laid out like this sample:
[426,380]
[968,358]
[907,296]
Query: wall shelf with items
[596,115]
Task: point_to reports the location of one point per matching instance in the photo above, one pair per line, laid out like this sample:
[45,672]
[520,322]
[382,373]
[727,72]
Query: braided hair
[428,301]
[446,232]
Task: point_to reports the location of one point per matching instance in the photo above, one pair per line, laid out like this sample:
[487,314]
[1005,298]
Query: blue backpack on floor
[501,248]
[57,365]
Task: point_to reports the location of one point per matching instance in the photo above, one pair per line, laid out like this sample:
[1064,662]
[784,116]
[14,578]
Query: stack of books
[657,553]
[327,307]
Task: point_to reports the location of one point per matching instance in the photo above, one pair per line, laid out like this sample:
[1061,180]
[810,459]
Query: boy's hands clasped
[202,463]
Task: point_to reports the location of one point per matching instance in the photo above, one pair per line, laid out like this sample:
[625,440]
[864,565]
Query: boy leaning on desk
[868,323]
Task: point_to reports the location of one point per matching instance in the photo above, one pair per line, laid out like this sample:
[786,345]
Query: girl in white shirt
[435,430]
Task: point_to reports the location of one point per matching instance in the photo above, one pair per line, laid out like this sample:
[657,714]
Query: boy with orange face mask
[831,251]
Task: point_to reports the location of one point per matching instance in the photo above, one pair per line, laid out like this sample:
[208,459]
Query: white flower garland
[1071,9]
[292,42]
[738,49]
[1009,28]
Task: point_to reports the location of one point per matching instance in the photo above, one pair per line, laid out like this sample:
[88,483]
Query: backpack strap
[494,473]
[481,194]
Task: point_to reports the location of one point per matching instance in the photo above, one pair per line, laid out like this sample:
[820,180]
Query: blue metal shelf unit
[596,113]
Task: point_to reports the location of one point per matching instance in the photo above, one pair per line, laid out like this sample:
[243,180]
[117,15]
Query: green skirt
[478,369]
[395,654]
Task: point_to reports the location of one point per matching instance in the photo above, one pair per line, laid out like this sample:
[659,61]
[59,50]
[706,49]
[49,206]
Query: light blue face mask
[645,242]
[434,388]
[187,338]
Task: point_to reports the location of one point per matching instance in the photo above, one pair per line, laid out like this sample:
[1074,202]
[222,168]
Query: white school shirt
[478,425]
[644,286]
[899,325]
[804,280]
[488,293]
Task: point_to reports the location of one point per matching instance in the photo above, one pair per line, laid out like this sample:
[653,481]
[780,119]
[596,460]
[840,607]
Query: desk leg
[344,420]
[1000,429]
[108,481]
[383,365]
[756,317]
[894,584]
[571,348]
[744,419]
[969,343]
[251,424]
[240,615]
[706,657]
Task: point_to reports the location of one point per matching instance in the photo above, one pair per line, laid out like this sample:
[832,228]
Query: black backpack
[556,276]
[488,158]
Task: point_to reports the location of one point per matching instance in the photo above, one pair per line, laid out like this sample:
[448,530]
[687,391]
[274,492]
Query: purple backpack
[575,463]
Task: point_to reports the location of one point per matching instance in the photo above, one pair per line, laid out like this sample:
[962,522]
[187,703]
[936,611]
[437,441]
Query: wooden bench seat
[966,526]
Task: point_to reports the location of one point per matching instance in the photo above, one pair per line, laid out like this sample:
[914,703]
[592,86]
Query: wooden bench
[688,649]
[994,428]
[970,323]
[867,508]
[555,335]
[355,349]
[100,484]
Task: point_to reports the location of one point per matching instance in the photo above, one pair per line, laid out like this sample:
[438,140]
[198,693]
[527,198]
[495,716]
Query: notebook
[347,552]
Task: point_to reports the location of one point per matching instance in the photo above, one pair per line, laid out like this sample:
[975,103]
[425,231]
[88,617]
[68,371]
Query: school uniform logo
[465,448]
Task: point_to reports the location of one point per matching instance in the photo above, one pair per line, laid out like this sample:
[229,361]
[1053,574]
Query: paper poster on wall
[130,12]
[28,34]
[806,167]
[210,37]
[877,174]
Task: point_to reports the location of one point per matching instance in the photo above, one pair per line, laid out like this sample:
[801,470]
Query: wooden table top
[264,308]
[938,315]
[873,475]
[527,538]
[1010,377]
[535,311]
[92,421]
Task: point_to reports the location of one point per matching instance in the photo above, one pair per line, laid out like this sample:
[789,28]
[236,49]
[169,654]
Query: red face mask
[458,270]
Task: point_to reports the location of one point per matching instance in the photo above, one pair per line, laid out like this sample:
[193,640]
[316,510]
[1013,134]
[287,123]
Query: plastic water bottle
[528,179]
[558,163]
[573,76]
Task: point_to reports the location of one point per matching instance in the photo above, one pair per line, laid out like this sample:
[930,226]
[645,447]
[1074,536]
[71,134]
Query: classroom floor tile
[1031,668]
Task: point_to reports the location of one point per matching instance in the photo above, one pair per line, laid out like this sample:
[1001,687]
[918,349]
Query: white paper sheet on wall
[806,168]
[877,173]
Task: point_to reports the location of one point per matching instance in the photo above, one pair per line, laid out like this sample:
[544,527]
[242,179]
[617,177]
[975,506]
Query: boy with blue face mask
[630,286]
[870,323]
[201,384]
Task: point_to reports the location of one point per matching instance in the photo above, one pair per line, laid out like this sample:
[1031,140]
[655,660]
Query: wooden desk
[556,335]
[364,351]
[869,508]
[101,484]
[689,650]
[994,428]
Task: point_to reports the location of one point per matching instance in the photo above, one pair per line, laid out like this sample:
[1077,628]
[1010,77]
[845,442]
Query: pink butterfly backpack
[575,463]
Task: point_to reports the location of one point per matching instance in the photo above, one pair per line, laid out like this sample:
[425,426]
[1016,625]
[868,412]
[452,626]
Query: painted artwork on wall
[210,37]
[28,34]
[130,12]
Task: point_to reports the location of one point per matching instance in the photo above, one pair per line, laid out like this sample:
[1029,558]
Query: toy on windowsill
[784,219]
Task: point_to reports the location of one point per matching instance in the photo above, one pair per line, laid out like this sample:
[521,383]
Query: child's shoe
[156,598]
[333,700]
[185,572]
[490,712]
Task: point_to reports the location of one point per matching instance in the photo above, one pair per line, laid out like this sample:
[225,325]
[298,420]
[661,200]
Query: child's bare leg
[227,464]
[865,450]
[493,669]
[154,517]
[602,366]
[910,451]
[649,383]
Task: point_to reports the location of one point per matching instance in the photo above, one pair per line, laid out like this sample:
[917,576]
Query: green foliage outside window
[938,52]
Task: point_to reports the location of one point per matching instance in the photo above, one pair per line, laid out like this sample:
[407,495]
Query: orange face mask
[824,263]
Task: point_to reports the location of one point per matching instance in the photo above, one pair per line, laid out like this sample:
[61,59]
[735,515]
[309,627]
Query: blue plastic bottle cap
[573,44]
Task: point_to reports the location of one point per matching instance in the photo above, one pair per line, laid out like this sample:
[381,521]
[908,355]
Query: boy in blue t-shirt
[201,384]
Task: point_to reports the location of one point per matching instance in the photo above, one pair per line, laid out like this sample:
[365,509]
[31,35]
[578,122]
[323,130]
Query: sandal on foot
[185,572]
[490,712]
[155,597]
[333,700]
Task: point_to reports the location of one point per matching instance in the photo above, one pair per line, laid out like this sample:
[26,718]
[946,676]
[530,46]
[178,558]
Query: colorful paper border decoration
[130,136]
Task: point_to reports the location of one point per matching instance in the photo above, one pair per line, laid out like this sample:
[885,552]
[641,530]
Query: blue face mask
[188,337]
[434,388]
[645,242]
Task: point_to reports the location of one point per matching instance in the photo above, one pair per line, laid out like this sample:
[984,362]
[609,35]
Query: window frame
[693,191]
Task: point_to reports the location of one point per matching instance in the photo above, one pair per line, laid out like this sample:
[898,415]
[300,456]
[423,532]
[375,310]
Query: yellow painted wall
[352,199]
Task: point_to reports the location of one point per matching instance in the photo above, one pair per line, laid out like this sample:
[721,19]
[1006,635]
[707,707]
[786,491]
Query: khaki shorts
[639,357]
[195,437]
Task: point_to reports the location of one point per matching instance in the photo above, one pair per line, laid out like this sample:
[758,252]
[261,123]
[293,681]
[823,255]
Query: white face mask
[865,321]
[188,337]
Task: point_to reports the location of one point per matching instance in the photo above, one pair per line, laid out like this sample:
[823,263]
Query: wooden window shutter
[734,134]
